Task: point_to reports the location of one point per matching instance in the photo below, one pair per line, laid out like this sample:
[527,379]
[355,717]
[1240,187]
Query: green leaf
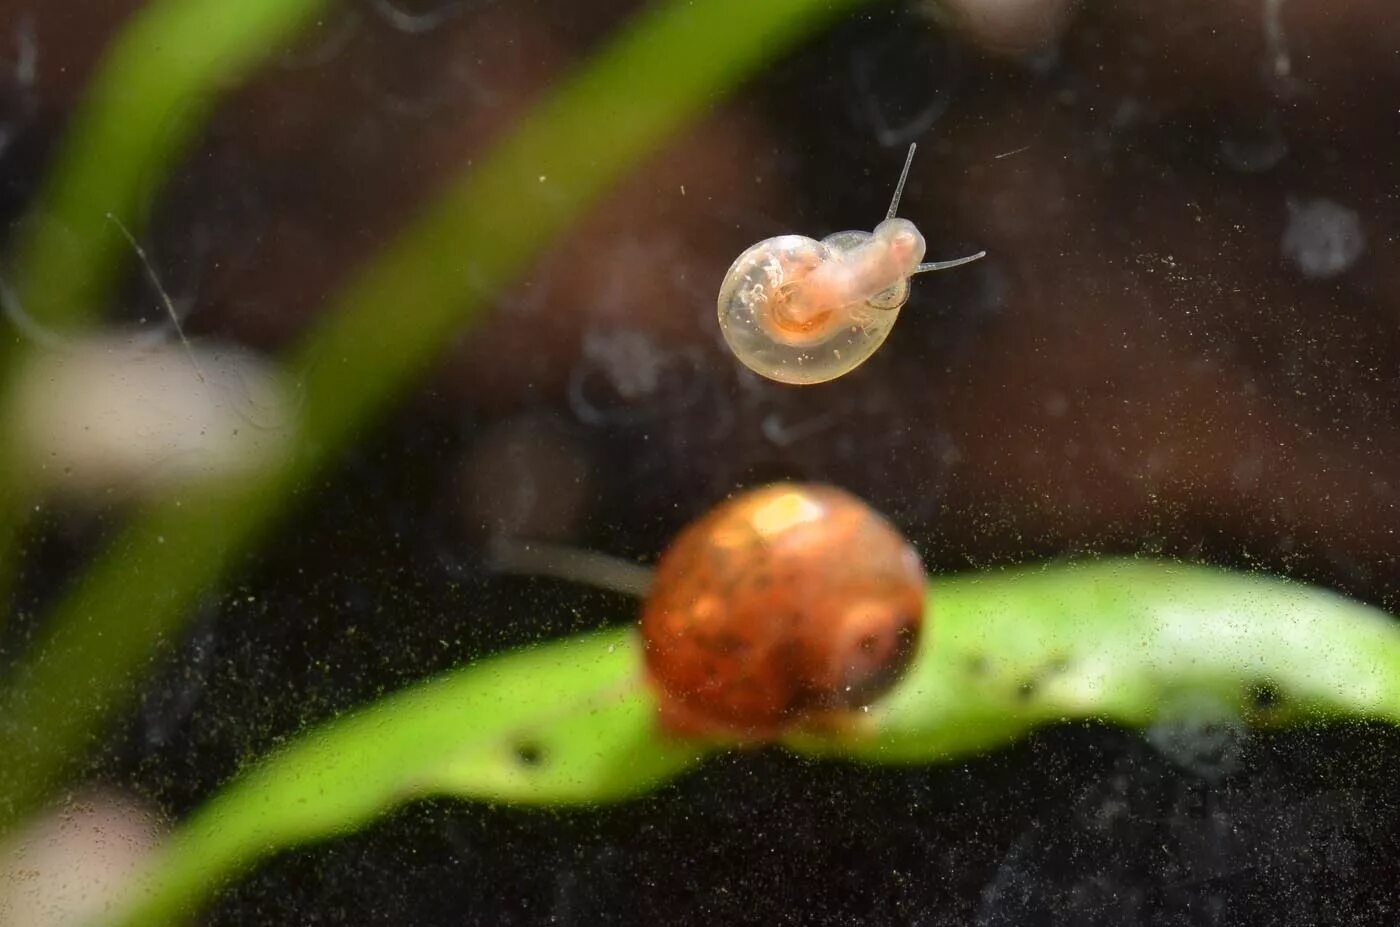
[152,93]
[148,100]
[1126,641]
[1131,642]
[565,722]
[667,67]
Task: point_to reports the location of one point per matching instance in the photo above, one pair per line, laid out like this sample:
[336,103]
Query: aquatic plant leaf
[151,95]
[667,66]
[1124,641]
[569,723]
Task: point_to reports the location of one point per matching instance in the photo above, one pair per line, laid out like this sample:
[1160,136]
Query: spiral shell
[803,311]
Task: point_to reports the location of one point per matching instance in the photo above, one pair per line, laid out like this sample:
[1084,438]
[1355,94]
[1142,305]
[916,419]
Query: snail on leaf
[789,606]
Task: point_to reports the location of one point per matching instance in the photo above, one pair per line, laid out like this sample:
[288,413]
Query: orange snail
[782,604]
[787,606]
[803,311]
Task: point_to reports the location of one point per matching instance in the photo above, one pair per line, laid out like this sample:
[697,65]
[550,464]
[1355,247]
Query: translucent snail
[803,311]
[789,606]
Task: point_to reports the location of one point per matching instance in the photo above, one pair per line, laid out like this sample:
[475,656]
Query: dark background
[1150,360]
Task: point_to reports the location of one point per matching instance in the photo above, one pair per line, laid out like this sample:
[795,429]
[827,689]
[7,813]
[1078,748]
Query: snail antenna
[899,188]
[944,265]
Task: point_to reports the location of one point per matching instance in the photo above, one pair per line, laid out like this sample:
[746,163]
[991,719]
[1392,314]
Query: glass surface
[350,346]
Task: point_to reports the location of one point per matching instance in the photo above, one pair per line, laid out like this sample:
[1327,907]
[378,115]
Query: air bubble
[625,378]
[1323,237]
[1200,734]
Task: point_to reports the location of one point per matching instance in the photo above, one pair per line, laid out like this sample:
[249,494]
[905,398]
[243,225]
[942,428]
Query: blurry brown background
[1151,357]
[1184,340]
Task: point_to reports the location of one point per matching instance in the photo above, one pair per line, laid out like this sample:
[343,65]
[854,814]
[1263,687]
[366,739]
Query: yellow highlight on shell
[784,512]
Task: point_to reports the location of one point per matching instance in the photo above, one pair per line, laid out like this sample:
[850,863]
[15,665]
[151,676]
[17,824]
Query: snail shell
[781,606]
[799,310]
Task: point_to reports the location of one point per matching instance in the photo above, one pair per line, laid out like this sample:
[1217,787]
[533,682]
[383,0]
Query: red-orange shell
[782,604]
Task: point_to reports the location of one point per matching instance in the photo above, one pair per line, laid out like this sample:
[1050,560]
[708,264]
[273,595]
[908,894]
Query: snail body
[787,606]
[802,311]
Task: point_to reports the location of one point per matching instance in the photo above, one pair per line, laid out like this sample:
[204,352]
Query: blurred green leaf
[1132,642]
[668,66]
[148,101]
[566,722]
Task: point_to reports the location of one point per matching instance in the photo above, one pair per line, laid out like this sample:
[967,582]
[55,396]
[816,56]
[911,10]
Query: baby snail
[803,311]
[790,606]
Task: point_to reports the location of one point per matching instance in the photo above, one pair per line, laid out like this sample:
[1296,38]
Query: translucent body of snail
[802,311]
[787,606]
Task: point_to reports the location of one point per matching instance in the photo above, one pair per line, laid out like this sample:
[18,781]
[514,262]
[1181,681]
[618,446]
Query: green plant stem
[1137,643]
[481,724]
[150,97]
[667,67]
[151,94]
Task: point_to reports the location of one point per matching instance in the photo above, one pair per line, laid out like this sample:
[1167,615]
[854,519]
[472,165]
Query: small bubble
[1323,237]
[1200,734]
[626,378]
